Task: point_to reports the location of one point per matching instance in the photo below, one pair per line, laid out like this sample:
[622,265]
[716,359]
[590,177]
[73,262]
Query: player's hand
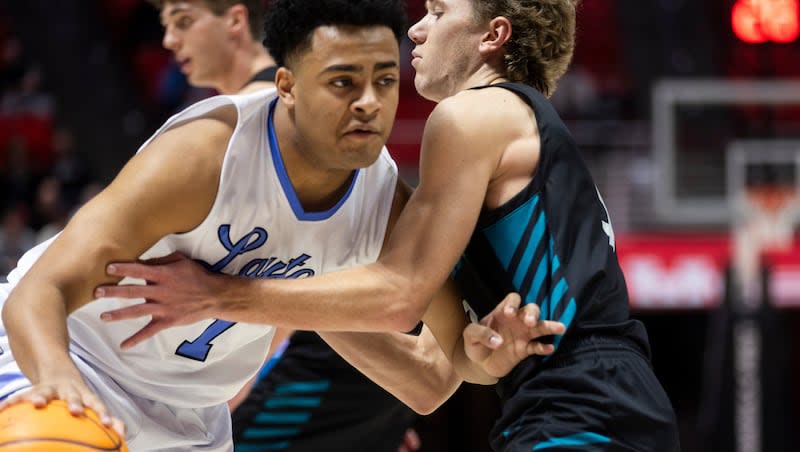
[71,390]
[507,335]
[179,291]
[411,441]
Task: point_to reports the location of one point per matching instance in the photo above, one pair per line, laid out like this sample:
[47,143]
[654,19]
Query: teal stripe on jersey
[526,262]
[538,279]
[547,310]
[557,294]
[556,263]
[255,433]
[506,234]
[566,319]
[292,402]
[282,418]
[580,439]
[244,447]
[303,387]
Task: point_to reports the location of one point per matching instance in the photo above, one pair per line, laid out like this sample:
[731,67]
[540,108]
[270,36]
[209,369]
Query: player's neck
[484,76]
[245,66]
[316,187]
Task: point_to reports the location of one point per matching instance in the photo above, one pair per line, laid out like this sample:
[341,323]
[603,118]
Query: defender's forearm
[360,299]
[413,369]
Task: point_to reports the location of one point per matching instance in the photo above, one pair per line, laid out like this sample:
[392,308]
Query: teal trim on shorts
[282,418]
[293,402]
[303,387]
[257,433]
[580,439]
[245,447]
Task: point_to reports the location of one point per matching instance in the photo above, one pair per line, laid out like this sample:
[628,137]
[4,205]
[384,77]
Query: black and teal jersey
[552,243]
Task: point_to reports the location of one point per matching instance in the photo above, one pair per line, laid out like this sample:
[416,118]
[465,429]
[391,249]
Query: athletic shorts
[599,393]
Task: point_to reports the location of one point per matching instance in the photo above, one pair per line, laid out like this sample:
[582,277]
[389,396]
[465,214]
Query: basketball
[25,428]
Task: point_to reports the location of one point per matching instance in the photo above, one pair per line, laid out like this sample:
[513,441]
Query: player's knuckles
[151,273]
[119,426]
[73,398]
[535,348]
[138,291]
[142,271]
[45,392]
[545,329]
[512,299]
[90,399]
[472,331]
[531,309]
[553,327]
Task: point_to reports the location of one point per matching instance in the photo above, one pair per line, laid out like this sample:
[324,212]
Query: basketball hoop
[773,210]
[766,217]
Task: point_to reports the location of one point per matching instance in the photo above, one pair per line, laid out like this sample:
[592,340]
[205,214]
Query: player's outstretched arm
[389,295]
[423,371]
[156,193]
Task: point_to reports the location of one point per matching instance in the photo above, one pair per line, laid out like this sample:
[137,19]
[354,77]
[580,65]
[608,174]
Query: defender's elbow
[407,312]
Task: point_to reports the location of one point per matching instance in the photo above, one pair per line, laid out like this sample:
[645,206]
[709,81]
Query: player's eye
[387,81]
[342,82]
[183,22]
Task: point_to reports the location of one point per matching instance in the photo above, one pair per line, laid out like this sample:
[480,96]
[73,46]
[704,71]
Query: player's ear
[284,82]
[237,18]
[496,37]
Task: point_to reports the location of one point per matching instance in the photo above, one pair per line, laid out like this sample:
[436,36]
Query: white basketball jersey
[256,228]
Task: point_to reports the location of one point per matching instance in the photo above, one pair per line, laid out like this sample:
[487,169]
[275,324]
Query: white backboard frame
[667,94]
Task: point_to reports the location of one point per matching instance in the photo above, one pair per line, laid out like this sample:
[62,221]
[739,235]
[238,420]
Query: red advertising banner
[688,271]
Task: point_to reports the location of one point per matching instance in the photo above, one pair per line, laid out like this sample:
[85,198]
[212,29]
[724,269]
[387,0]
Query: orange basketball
[24,428]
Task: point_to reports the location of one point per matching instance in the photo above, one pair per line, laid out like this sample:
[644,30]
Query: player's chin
[424,89]
[364,154]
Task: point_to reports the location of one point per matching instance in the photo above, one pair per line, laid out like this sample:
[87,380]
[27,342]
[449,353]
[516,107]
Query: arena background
[659,94]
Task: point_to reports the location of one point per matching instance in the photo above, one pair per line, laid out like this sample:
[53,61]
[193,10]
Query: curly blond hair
[542,38]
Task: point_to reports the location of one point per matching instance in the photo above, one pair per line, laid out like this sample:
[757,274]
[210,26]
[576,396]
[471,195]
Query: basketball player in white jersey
[271,184]
[217,44]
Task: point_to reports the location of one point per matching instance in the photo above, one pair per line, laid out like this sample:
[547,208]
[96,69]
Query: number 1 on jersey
[198,349]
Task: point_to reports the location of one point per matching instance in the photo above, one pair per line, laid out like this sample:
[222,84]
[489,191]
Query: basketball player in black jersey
[217,44]
[503,185]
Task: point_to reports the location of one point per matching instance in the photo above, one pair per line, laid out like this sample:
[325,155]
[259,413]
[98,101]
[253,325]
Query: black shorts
[599,393]
[313,400]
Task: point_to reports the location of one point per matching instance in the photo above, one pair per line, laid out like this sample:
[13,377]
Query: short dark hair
[255,11]
[291,23]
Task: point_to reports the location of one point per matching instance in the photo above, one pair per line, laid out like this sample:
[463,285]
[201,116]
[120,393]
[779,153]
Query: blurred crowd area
[42,174]
[45,172]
